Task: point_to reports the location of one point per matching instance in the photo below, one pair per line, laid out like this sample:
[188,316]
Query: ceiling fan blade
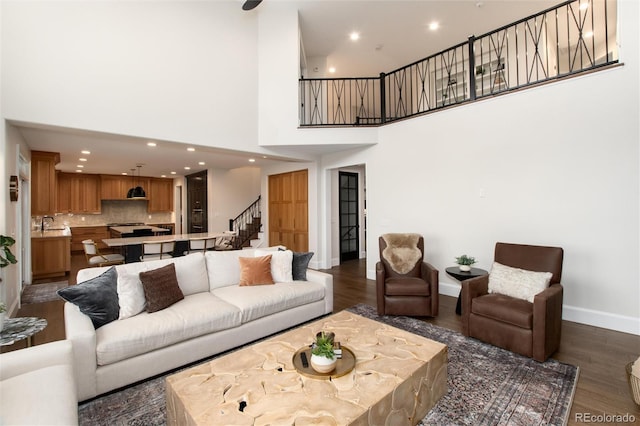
[250,4]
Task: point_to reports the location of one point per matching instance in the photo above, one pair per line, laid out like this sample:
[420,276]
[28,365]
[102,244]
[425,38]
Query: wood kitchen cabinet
[288,210]
[43,182]
[78,193]
[115,187]
[95,233]
[160,195]
[50,256]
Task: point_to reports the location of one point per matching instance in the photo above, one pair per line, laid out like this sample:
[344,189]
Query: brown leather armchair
[530,329]
[405,284]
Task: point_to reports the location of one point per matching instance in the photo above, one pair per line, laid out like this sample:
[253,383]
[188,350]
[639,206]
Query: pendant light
[137,191]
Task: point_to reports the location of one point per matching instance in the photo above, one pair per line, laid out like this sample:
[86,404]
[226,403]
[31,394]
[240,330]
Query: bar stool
[201,244]
[155,250]
[95,258]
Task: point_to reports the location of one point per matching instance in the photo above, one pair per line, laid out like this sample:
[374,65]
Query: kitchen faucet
[42,222]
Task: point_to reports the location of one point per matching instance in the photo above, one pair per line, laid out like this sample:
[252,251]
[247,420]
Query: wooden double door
[288,210]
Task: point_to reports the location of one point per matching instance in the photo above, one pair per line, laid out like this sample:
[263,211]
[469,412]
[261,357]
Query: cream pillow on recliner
[516,282]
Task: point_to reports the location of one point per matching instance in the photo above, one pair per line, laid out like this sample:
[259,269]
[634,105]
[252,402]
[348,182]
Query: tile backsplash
[113,211]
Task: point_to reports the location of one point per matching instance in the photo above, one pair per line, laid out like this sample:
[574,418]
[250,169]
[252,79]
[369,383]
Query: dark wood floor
[600,354]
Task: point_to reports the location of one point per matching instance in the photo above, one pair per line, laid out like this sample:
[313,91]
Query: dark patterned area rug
[487,386]
[40,293]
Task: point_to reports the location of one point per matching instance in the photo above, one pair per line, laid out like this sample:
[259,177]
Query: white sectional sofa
[216,314]
[37,386]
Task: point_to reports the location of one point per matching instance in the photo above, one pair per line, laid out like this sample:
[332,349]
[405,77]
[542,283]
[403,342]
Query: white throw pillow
[130,295]
[281,264]
[518,283]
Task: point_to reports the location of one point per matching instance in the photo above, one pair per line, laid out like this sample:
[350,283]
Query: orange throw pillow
[255,270]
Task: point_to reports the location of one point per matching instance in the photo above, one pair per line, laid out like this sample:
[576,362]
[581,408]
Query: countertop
[51,234]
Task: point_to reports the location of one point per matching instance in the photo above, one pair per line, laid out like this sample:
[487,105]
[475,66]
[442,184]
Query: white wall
[230,192]
[184,71]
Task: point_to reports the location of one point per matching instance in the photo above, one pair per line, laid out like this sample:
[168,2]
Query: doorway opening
[349,223]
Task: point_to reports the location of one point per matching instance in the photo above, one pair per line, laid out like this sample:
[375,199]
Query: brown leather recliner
[405,284]
[530,329]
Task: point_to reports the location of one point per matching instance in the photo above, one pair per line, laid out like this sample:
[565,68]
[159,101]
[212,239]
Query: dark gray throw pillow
[97,298]
[300,265]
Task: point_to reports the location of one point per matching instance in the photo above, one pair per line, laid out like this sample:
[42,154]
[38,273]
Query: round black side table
[457,274]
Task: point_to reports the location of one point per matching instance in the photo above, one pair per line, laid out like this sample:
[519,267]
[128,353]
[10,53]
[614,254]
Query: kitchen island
[132,247]
[50,253]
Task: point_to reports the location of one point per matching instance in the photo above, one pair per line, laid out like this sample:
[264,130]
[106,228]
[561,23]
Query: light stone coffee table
[398,378]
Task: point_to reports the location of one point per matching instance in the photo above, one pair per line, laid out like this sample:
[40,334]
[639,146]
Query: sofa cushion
[300,264]
[257,302]
[281,264]
[516,282]
[223,267]
[46,396]
[97,298]
[255,271]
[161,287]
[194,316]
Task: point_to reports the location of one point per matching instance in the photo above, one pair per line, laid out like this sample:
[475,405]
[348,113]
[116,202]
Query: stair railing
[246,225]
[575,37]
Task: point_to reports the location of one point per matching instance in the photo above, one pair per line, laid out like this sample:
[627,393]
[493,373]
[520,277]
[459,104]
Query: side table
[457,274]
[19,328]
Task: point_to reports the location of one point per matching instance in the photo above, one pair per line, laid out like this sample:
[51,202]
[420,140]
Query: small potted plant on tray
[323,358]
[464,262]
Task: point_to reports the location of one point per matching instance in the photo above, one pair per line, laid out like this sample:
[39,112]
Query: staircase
[247,227]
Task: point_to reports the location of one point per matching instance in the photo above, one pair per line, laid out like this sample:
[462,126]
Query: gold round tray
[343,366]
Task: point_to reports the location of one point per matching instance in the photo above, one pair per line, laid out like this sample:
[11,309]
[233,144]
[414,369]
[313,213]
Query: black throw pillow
[97,298]
[300,265]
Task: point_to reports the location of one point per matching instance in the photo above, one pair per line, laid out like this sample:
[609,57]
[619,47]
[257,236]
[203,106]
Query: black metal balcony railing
[574,37]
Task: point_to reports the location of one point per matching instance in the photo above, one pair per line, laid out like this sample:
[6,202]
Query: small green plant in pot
[465,262]
[323,357]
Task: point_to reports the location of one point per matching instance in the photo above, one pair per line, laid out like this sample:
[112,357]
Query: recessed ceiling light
[332,70]
[124,173]
[163,175]
[173,173]
[584,6]
[354,36]
[588,34]
[187,168]
[79,166]
[78,171]
[82,159]
[191,149]
[252,160]
[201,163]
[264,156]
[434,26]
[151,144]
[85,152]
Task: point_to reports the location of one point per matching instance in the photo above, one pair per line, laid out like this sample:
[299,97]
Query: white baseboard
[601,319]
[591,317]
